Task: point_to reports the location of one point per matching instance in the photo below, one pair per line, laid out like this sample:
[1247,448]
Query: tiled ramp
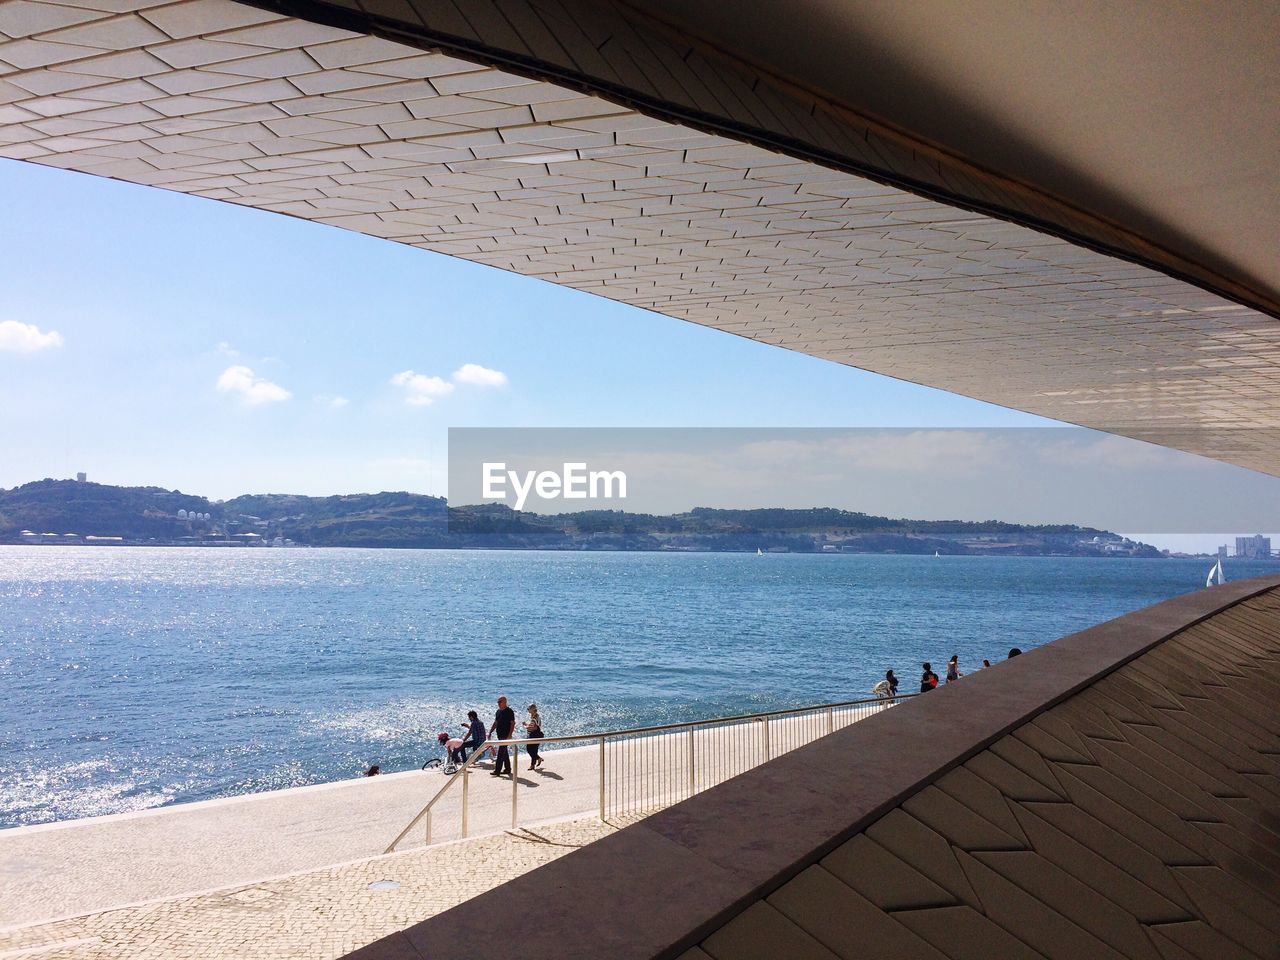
[1114,794]
[1137,819]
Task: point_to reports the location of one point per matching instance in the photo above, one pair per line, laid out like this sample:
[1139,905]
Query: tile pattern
[1135,820]
[313,916]
[231,102]
[616,46]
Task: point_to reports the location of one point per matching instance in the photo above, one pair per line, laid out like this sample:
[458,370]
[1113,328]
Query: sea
[136,677]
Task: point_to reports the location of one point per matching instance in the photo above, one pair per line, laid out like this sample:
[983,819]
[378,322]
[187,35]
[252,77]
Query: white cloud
[333,401]
[225,349]
[254,390]
[26,337]
[419,389]
[479,376]
[1076,448]
[884,452]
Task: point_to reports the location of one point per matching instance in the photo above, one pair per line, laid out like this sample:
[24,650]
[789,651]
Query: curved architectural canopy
[1166,123]
[621,152]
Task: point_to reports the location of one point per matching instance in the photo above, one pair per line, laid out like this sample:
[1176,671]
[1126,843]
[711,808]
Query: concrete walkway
[83,866]
[320,915]
[80,867]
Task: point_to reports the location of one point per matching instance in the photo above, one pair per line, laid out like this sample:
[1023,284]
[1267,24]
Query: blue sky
[158,298]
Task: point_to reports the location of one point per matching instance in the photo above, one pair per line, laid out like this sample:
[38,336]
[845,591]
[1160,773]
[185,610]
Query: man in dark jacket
[475,738]
[504,723]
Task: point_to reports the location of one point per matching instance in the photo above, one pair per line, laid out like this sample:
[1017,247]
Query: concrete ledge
[659,887]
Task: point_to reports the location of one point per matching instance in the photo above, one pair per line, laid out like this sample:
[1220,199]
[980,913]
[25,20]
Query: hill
[143,515]
[349,520]
[69,506]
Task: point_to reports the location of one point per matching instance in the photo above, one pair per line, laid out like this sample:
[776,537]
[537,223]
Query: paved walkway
[314,916]
[71,869]
[81,866]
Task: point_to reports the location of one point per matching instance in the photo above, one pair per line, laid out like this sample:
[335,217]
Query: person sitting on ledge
[1014,652]
[373,771]
[475,737]
[928,679]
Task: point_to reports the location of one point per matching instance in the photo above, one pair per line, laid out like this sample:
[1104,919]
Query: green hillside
[349,520]
[151,514]
[68,506]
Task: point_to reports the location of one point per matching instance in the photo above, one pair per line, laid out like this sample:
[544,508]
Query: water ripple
[138,677]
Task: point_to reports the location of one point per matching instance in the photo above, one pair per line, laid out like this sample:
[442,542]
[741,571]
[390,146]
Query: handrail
[686,724]
[459,774]
[690,725]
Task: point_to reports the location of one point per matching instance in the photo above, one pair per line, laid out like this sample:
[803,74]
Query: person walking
[953,668]
[533,730]
[928,679]
[504,723]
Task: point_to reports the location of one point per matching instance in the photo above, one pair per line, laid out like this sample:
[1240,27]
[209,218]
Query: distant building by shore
[92,540]
[1256,547]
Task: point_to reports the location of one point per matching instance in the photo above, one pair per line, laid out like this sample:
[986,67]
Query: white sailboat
[936,554]
[759,552]
[1216,572]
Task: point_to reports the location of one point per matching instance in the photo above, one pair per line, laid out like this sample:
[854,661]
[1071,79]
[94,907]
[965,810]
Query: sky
[150,338]
[1019,475]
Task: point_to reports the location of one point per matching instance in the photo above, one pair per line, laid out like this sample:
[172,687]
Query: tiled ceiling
[230,102]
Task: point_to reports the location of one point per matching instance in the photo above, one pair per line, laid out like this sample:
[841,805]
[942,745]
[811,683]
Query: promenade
[319,915]
[69,869]
[101,863]
[303,874]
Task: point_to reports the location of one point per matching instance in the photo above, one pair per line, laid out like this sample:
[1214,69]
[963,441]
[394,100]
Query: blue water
[134,677]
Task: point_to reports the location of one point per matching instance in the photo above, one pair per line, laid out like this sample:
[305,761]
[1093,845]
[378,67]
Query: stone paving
[296,873]
[314,916]
[84,866]
[56,871]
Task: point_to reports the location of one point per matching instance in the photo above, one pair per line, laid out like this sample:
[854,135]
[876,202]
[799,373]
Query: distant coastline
[59,512]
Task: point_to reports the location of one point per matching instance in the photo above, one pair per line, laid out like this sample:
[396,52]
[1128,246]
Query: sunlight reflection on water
[135,677]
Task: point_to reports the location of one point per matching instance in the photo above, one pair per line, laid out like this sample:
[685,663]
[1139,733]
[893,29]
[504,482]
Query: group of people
[502,728]
[504,721]
[888,687]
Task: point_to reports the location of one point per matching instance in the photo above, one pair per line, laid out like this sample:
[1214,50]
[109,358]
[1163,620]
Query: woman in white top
[533,730]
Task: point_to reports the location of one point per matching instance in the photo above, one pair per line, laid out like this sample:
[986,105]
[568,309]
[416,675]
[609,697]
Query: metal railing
[637,771]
